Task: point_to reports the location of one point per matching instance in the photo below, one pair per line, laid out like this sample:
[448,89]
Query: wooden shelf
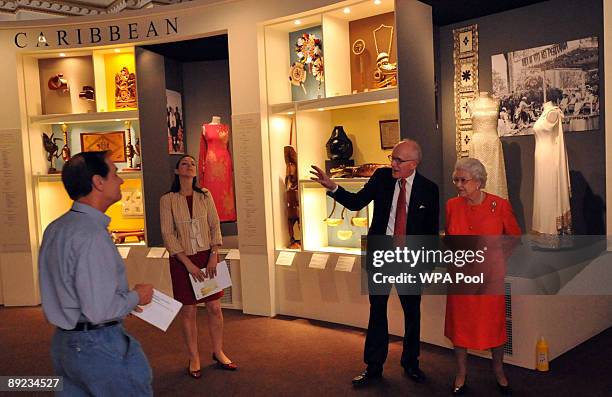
[93,117]
[340,181]
[336,250]
[58,177]
[383,95]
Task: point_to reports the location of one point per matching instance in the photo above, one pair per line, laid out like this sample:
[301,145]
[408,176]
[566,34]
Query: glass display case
[327,226]
[84,101]
[355,89]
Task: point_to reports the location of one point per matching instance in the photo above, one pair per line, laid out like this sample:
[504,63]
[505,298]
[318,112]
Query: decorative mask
[58,82]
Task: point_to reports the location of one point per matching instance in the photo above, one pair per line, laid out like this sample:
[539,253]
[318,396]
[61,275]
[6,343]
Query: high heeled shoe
[460,390]
[228,367]
[197,374]
[504,390]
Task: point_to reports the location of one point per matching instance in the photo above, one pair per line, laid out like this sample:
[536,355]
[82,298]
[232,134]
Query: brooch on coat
[493,206]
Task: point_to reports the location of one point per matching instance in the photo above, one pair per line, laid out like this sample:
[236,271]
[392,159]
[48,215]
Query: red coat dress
[478,321]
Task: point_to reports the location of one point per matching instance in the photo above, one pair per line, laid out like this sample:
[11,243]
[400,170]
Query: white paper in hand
[161,311]
[210,286]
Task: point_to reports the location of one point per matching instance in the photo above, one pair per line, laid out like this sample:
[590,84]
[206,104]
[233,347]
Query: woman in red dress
[478,321]
[192,235]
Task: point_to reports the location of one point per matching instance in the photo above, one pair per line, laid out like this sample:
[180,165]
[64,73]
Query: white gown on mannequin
[486,146]
[551,191]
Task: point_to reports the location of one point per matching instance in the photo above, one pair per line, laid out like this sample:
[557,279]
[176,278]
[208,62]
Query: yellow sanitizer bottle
[542,355]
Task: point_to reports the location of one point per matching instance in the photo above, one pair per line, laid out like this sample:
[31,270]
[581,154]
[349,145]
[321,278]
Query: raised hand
[321,177]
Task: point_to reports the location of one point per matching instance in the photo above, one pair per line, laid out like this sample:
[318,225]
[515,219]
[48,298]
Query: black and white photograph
[566,74]
[174,119]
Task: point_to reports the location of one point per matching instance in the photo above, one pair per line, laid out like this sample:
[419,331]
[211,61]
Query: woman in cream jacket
[191,232]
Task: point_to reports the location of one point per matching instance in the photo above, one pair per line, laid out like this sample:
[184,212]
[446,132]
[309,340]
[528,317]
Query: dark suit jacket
[423,209]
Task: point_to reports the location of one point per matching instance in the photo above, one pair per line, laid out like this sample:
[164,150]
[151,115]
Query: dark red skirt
[181,285]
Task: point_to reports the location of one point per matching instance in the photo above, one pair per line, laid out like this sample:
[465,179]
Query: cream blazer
[182,233]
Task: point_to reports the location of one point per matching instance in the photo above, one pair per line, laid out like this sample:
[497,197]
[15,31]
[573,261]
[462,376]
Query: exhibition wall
[159,165]
[205,92]
[519,29]
[415,51]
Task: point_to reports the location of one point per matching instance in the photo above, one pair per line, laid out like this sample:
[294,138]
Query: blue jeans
[101,362]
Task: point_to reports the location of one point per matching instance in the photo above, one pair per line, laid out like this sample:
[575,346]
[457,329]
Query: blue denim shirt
[81,274]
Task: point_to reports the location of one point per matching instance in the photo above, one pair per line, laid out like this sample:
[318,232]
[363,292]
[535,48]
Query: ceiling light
[382,101]
[289,113]
[297,22]
[320,109]
[377,2]
[347,10]
[62,54]
[117,50]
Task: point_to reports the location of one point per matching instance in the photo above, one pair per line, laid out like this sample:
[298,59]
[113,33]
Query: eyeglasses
[456,181]
[398,160]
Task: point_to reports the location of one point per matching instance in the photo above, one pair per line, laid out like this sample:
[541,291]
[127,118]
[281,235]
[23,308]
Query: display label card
[233,254]
[318,261]
[124,251]
[156,252]
[345,263]
[285,258]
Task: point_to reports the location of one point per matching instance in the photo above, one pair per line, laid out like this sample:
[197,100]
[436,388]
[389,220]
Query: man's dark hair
[78,172]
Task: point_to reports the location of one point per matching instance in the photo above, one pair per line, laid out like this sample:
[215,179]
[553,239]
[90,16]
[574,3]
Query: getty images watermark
[487,265]
[424,258]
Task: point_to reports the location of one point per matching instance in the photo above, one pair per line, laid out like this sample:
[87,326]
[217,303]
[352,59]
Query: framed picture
[564,73]
[131,203]
[174,119]
[98,141]
[389,133]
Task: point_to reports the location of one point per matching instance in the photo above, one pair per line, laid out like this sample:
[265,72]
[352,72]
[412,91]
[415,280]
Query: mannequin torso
[485,144]
[484,114]
[215,165]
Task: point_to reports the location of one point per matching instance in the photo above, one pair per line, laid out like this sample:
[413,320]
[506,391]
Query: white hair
[416,147]
[473,167]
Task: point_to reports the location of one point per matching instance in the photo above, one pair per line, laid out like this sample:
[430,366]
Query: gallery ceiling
[55,8]
[446,12]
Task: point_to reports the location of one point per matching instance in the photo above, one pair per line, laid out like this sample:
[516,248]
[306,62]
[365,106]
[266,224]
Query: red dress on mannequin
[479,321]
[215,166]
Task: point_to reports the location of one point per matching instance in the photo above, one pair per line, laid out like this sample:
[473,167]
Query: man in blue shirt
[85,292]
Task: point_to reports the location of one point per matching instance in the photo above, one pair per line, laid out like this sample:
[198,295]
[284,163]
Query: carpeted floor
[286,356]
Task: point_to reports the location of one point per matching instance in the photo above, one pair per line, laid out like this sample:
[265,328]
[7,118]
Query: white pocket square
[421,206]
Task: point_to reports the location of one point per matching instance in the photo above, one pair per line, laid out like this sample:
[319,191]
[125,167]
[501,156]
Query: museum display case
[328,72]
[84,101]
[327,226]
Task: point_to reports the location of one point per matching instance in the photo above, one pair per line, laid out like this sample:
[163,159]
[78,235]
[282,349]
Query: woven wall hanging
[465,56]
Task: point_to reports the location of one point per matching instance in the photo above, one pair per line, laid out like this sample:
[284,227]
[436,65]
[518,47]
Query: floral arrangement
[309,52]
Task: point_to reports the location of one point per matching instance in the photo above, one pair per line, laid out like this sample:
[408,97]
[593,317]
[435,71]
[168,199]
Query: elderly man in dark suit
[405,203]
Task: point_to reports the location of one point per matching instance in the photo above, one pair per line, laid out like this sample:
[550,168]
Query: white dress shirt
[391,224]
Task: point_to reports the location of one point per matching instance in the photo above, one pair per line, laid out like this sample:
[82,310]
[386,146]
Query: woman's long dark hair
[176,183]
